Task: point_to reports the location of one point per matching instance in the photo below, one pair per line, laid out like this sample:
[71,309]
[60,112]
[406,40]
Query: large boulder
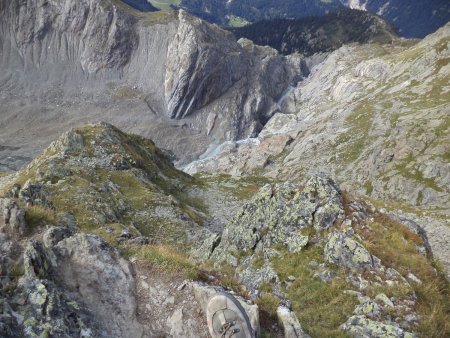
[75,285]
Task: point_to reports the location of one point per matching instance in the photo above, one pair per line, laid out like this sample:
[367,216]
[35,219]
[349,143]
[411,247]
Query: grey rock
[277,213]
[360,326]
[200,68]
[413,278]
[253,277]
[290,324]
[346,252]
[369,309]
[384,299]
[81,275]
[12,217]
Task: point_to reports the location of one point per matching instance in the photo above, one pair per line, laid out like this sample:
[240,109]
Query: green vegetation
[146,18]
[241,187]
[164,258]
[395,245]
[235,21]
[357,135]
[320,307]
[268,305]
[315,34]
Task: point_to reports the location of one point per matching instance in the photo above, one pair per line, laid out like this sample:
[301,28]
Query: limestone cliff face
[200,67]
[102,60]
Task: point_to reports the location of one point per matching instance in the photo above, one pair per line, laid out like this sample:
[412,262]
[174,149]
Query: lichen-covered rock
[361,326]
[290,324]
[206,246]
[48,312]
[252,277]
[95,274]
[369,309]
[277,214]
[74,285]
[384,300]
[344,251]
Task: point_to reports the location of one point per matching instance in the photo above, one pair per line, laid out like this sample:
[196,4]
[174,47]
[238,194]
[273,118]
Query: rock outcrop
[344,251]
[122,184]
[73,285]
[277,214]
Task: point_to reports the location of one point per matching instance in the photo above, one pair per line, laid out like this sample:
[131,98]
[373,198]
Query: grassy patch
[320,307]
[36,215]
[395,246]
[163,257]
[268,305]
[357,135]
[236,21]
[241,187]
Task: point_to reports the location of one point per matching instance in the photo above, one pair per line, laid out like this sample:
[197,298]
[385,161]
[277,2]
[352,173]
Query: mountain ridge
[413,19]
[312,35]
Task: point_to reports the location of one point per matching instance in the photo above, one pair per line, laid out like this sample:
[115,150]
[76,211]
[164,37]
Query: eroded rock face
[200,67]
[356,116]
[111,38]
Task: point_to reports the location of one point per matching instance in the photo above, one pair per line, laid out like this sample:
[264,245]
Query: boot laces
[227,329]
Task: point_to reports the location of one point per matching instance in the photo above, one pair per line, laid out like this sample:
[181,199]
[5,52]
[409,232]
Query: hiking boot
[227,318]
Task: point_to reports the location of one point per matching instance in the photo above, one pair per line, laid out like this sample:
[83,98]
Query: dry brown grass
[395,245]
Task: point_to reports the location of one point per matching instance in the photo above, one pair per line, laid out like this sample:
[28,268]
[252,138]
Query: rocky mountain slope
[412,18]
[321,34]
[102,237]
[374,117]
[165,75]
